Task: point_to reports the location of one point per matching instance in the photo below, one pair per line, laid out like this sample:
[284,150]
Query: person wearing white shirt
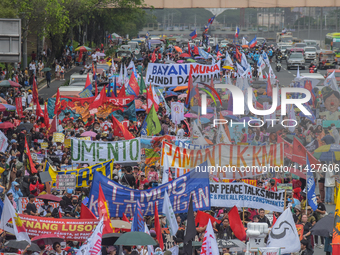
[23,101]
[94,58]
[29,98]
[329,184]
[180,131]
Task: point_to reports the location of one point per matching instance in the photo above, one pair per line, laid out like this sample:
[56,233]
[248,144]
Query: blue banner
[311,187]
[122,199]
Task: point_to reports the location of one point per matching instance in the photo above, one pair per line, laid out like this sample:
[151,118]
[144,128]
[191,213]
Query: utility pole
[321,17]
[336,19]
[24,46]
[309,23]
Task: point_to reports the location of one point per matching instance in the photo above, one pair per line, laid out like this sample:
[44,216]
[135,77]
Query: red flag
[120,130]
[104,212]
[122,92]
[288,148]
[209,50]
[57,107]
[308,85]
[238,55]
[190,87]
[196,52]
[34,91]
[31,165]
[158,228]
[125,218]
[203,218]
[39,112]
[218,55]
[85,213]
[99,100]
[274,219]
[269,87]
[18,105]
[46,118]
[60,216]
[189,48]
[153,57]
[53,126]
[150,100]
[96,91]
[134,85]
[236,224]
[299,154]
[88,81]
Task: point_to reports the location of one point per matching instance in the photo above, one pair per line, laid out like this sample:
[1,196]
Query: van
[77,79]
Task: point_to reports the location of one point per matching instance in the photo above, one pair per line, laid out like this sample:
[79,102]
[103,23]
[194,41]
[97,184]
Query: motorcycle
[313,69]
[278,66]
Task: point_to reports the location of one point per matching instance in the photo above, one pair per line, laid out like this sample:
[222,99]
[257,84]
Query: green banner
[92,152]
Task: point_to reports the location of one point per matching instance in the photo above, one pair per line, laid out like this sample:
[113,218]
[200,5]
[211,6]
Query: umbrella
[170,94]
[185,55]
[194,244]
[178,49]
[191,60]
[169,62]
[121,224]
[232,117]
[6,125]
[89,133]
[328,152]
[245,46]
[227,67]
[26,126]
[135,238]
[180,61]
[222,243]
[8,83]
[3,101]
[2,108]
[49,197]
[115,35]
[48,239]
[21,245]
[83,48]
[204,120]
[275,128]
[208,115]
[240,245]
[9,107]
[46,69]
[178,88]
[290,139]
[182,96]
[191,115]
[109,239]
[225,113]
[324,227]
[99,54]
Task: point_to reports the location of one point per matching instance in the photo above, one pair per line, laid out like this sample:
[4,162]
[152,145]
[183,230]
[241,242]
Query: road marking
[294,75]
[289,72]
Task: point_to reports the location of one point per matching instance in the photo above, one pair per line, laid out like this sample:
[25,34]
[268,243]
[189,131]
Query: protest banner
[248,181]
[69,229]
[230,161]
[79,107]
[122,199]
[84,175]
[245,195]
[167,75]
[86,93]
[67,143]
[23,201]
[92,152]
[44,145]
[58,137]
[3,142]
[85,138]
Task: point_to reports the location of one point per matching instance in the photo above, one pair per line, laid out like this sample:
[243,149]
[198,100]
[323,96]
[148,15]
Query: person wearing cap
[271,186]
[68,197]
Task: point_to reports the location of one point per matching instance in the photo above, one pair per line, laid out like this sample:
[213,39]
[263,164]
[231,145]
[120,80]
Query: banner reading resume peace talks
[93,152]
[122,199]
[167,75]
[245,195]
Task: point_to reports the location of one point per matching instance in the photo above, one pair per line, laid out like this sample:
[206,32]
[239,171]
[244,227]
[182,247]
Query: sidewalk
[45,92]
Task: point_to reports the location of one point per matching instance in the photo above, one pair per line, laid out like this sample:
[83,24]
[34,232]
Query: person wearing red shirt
[141,181]
[126,122]
[271,186]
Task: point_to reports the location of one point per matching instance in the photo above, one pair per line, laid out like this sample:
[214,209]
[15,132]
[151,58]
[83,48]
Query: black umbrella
[25,126]
[109,239]
[222,243]
[324,227]
[22,245]
[275,128]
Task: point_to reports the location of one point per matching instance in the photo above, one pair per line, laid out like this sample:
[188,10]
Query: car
[77,79]
[310,53]
[223,43]
[300,45]
[296,59]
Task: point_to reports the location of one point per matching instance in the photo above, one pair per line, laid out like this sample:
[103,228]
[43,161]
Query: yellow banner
[84,175]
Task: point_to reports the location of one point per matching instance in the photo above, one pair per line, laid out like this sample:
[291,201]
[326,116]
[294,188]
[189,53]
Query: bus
[333,41]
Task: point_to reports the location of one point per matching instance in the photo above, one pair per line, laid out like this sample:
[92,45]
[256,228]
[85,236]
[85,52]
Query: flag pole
[307,187]
[285,204]
[243,216]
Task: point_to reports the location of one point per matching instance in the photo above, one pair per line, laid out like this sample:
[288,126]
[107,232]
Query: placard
[58,138]
[43,145]
[67,181]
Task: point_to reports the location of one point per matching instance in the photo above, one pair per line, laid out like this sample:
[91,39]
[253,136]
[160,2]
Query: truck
[286,38]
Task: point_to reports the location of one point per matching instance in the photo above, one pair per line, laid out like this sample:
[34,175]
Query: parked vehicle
[325,59]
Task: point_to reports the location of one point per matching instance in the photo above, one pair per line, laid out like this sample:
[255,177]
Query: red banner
[69,229]
[18,105]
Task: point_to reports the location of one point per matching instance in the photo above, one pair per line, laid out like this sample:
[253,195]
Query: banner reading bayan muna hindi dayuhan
[245,195]
[167,75]
[92,152]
